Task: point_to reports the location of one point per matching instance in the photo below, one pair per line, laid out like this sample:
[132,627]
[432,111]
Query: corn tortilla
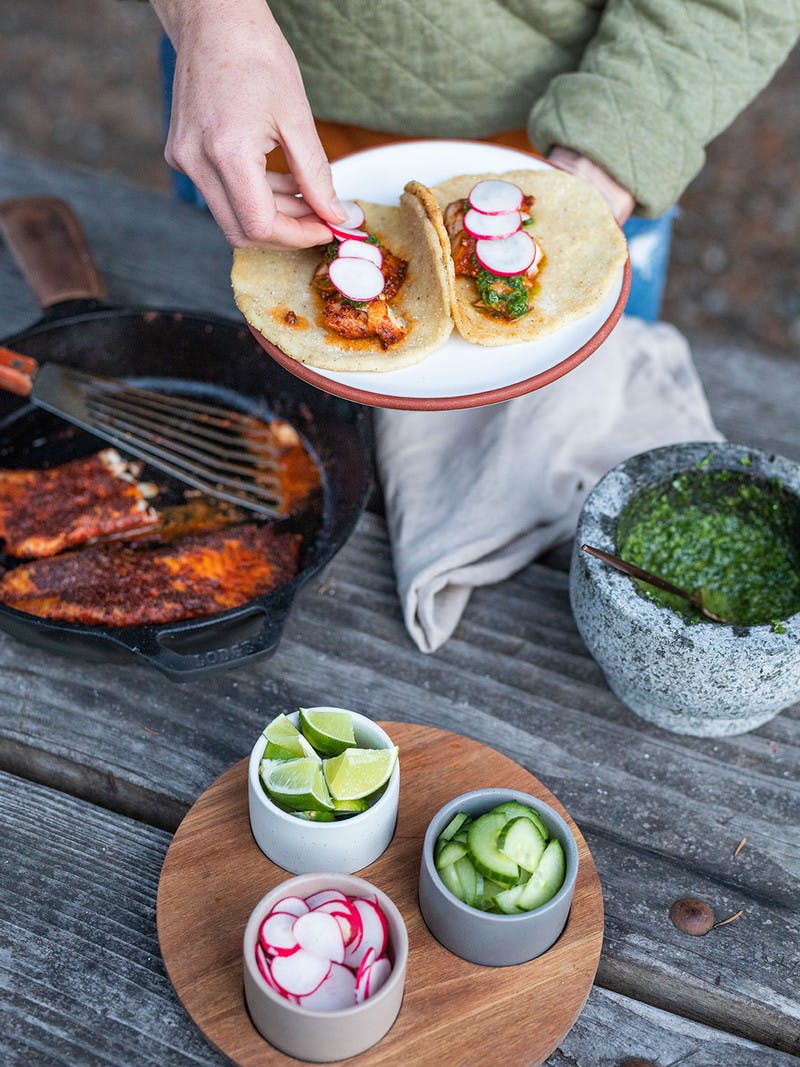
[584,253]
[269,283]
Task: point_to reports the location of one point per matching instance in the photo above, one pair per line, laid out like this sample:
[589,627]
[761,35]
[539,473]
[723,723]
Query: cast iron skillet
[181,352]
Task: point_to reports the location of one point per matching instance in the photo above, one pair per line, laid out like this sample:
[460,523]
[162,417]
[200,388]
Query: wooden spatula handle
[46,239]
[16,372]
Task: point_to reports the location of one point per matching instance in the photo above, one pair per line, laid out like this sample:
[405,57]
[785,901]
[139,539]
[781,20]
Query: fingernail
[338,208]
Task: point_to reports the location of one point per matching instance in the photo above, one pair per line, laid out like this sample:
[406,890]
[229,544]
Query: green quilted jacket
[639,86]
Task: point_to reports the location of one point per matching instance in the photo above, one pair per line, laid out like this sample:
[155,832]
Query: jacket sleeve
[658,81]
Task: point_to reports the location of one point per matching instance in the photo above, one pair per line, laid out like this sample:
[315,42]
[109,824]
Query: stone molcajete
[686,674]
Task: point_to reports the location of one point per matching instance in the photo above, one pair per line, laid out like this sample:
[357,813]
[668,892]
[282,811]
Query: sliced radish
[361,250]
[493,196]
[320,933]
[263,966]
[369,958]
[334,993]
[323,897]
[374,933]
[492,227]
[276,934]
[357,279]
[348,919]
[373,977]
[511,255]
[343,234]
[292,905]
[355,215]
[301,973]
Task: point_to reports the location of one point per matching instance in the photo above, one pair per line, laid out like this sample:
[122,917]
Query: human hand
[237,95]
[615,195]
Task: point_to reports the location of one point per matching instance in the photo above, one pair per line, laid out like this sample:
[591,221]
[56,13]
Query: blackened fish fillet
[119,586]
[43,512]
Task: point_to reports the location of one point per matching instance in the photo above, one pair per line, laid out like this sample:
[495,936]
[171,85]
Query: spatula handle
[16,372]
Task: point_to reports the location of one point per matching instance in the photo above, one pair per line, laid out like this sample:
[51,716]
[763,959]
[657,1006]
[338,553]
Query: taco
[575,252]
[289,297]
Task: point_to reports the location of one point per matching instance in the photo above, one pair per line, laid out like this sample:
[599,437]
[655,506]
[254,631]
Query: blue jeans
[648,239]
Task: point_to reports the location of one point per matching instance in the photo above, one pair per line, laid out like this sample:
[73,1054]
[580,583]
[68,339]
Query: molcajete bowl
[689,676]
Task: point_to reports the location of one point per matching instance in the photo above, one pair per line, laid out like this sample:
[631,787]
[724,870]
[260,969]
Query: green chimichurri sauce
[507,295]
[734,540]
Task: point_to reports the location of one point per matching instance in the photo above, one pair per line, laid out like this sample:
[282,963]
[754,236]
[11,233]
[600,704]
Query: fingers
[310,167]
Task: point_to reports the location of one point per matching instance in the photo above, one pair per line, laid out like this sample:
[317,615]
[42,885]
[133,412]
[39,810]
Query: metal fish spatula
[225,454]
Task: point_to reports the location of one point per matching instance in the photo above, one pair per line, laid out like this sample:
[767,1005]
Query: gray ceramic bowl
[324,1036]
[484,937]
[345,845]
[704,679]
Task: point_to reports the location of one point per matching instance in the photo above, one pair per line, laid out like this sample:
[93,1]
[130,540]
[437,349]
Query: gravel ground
[79,83]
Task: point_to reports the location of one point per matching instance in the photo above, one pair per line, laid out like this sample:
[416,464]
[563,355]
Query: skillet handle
[16,372]
[47,241]
[161,648]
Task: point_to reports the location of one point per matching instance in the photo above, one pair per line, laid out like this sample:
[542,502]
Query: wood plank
[82,978]
[669,809]
[515,675]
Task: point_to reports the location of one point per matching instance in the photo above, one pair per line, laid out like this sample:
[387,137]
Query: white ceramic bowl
[345,845]
[491,939]
[324,1036]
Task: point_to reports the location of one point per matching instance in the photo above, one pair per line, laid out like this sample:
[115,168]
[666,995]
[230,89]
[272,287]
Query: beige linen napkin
[473,496]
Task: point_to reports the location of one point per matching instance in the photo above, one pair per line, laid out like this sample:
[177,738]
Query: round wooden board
[453,1011]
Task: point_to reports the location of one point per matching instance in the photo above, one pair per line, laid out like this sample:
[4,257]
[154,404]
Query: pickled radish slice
[493,196]
[491,227]
[357,279]
[361,250]
[511,255]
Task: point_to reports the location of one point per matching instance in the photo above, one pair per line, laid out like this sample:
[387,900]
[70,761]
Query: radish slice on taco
[338,307]
[552,251]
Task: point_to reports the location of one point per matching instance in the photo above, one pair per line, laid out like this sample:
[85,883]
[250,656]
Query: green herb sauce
[506,295]
[731,539]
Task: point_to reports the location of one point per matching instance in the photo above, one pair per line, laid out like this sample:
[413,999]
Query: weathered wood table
[98,764]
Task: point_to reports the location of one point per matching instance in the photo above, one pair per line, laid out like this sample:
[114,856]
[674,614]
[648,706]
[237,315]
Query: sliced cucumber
[514,810]
[484,853]
[449,875]
[454,826]
[546,880]
[490,891]
[468,877]
[448,852]
[508,900]
[522,842]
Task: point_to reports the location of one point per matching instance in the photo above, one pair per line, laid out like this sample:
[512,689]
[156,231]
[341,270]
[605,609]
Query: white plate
[459,374]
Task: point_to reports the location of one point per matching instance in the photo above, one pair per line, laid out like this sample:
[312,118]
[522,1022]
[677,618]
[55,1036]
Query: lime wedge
[273,751]
[330,730]
[283,734]
[308,750]
[350,807]
[359,772]
[298,784]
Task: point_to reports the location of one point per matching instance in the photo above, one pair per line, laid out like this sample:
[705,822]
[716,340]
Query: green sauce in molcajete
[732,539]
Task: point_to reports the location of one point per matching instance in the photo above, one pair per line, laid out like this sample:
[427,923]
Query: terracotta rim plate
[453,1011]
[460,374]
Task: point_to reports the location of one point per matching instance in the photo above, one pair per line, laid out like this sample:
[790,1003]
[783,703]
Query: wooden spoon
[653,579]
